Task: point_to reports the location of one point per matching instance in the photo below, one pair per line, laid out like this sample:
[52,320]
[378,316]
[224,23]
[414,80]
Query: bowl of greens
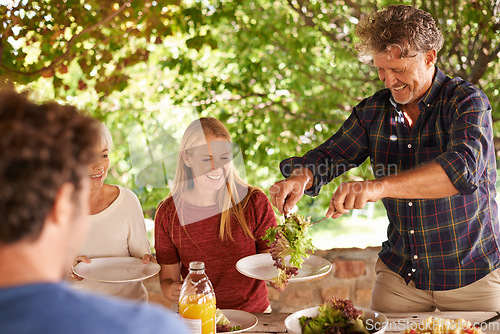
[336,316]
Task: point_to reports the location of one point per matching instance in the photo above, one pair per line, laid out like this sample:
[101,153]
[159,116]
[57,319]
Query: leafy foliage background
[283,75]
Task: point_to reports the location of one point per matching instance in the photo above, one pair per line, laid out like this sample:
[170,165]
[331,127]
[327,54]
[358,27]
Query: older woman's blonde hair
[228,197]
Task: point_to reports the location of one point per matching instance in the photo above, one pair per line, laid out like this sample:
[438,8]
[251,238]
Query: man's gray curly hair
[409,29]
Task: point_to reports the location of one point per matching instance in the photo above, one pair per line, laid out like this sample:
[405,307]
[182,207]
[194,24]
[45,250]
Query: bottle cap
[197,265]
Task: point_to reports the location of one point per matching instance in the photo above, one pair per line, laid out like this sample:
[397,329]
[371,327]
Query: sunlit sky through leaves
[12,2]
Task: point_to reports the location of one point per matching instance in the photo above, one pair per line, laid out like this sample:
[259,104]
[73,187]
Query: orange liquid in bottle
[200,307]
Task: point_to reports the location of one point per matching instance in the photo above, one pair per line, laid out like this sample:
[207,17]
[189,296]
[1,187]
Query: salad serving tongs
[286,215]
[318,221]
[322,219]
[493,318]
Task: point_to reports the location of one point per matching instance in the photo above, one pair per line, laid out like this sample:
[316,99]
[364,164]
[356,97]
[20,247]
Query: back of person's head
[407,28]
[42,147]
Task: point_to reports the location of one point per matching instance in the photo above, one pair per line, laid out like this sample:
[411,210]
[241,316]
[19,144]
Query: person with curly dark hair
[430,142]
[44,193]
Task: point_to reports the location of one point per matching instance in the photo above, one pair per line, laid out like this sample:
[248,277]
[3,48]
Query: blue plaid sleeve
[346,149]
[471,143]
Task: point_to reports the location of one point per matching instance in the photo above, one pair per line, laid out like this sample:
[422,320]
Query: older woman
[117,226]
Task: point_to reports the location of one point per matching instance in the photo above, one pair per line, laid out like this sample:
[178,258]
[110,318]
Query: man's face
[407,78]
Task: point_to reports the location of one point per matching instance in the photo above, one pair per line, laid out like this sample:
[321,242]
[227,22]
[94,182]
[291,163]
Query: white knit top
[119,230]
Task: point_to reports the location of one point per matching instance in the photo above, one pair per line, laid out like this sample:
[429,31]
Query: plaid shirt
[443,243]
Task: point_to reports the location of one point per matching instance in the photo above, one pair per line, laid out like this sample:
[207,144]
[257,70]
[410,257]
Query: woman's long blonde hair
[227,199]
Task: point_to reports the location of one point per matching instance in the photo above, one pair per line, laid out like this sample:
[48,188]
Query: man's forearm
[304,174]
[425,182]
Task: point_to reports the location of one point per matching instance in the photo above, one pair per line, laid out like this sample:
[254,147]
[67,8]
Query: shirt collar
[437,84]
[394,103]
[431,94]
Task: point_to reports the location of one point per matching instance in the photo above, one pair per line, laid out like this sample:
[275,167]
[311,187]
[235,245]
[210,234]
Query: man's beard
[413,92]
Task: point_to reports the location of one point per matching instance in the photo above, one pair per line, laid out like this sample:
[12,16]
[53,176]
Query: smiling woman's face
[210,163]
[98,170]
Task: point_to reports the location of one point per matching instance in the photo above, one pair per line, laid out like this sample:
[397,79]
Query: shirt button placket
[411,157]
[415,257]
[412,236]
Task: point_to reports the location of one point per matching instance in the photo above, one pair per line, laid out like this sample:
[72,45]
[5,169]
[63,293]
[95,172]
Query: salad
[336,316]
[223,323]
[289,239]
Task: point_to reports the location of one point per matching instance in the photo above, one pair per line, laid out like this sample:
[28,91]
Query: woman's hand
[146,258]
[172,292]
[170,278]
[78,259]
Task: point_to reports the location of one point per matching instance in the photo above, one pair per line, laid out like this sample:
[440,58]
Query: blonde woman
[212,215]
[116,225]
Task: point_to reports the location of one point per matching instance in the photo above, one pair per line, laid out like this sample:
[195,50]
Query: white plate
[261,266]
[240,318]
[116,269]
[373,320]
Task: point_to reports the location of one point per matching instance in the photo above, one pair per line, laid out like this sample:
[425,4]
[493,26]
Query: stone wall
[352,277]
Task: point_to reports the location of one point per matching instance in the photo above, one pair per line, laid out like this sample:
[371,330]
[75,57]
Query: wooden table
[274,323]
[270,323]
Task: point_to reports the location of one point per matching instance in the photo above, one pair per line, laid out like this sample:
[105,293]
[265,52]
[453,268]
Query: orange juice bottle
[197,300]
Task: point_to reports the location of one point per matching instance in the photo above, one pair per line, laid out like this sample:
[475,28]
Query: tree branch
[494,54]
[72,40]
[310,22]
[329,84]
[356,7]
